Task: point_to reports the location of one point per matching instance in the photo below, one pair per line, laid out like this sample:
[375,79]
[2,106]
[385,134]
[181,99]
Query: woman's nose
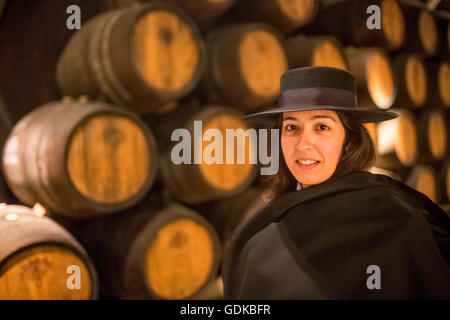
[305,141]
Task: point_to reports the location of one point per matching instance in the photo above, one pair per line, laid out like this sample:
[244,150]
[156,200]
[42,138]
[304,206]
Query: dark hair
[358,155]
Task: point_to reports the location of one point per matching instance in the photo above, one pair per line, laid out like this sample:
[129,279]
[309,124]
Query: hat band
[317,96]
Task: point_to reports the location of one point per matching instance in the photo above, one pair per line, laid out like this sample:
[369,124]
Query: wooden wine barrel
[154,251]
[285,15]
[433,131]
[397,141]
[391,35]
[306,51]
[412,78]
[444,177]
[80,159]
[40,260]
[140,56]
[439,84]
[228,214]
[375,77]
[206,174]
[423,36]
[423,178]
[244,66]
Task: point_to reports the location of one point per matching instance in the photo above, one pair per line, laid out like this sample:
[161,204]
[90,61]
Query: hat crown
[313,77]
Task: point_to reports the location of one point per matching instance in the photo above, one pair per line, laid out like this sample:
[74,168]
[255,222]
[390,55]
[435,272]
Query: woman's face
[312,142]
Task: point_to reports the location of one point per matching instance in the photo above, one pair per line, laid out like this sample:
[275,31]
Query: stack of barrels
[122,161]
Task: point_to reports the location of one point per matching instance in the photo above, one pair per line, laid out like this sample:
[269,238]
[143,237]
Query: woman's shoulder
[396,192]
[384,187]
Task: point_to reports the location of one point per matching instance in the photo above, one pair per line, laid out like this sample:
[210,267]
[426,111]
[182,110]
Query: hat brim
[364,115]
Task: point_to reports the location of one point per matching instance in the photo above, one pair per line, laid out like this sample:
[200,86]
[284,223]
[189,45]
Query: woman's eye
[290,127]
[323,127]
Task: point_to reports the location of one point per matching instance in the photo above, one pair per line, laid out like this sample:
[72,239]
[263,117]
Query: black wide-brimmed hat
[319,88]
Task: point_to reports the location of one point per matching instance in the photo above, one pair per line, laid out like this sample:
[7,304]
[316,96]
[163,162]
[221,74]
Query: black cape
[318,243]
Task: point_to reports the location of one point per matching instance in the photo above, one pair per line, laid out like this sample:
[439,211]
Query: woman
[333,230]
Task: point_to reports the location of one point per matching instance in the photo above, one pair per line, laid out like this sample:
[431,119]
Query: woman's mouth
[307,164]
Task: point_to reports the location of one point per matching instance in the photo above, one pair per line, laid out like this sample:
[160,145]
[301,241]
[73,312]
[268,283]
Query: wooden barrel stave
[75,59]
[16,171]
